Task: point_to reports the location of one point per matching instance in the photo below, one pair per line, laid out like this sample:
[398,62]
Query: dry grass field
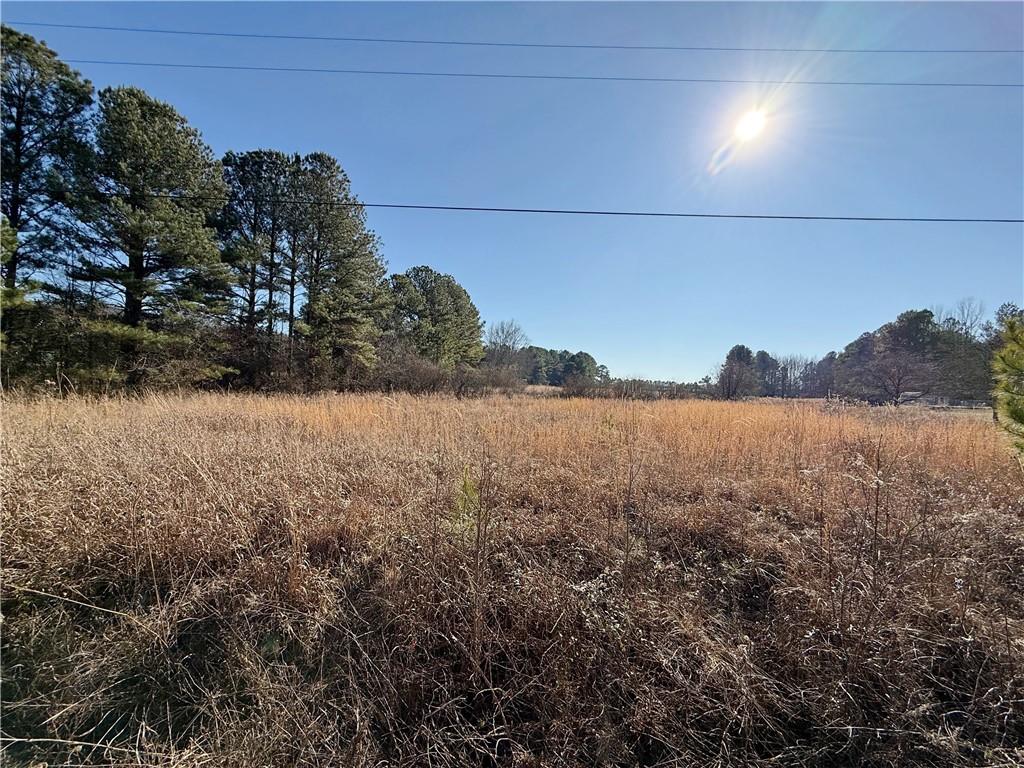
[377,581]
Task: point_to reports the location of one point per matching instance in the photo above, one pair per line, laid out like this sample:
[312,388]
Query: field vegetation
[357,580]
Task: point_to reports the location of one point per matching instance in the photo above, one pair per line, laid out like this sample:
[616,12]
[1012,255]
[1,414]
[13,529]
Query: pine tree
[151,252]
[253,228]
[736,377]
[343,274]
[295,229]
[1008,367]
[12,298]
[437,315]
[44,150]
[44,156]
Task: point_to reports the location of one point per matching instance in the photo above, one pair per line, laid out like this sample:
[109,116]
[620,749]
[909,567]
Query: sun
[750,125]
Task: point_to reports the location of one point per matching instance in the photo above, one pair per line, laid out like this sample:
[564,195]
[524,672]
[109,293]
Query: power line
[510,76]
[565,211]
[587,212]
[496,44]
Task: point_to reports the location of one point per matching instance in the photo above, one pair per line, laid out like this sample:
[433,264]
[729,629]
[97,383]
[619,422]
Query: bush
[402,369]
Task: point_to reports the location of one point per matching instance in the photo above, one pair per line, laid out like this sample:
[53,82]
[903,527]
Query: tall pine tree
[253,227]
[343,275]
[151,250]
[44,151]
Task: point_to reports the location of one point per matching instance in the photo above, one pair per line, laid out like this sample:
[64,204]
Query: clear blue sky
[660,298]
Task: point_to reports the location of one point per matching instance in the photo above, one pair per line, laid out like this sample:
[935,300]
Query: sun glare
[750,125]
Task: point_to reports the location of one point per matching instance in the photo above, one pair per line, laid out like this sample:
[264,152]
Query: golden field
[369,580]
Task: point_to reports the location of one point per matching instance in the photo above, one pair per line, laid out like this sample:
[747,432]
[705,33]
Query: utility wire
[495,44]
[582,212]
[509,76]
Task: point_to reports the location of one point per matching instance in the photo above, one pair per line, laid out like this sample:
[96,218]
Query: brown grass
[371,580]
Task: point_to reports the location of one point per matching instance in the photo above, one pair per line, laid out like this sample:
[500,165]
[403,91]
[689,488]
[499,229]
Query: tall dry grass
[371,580]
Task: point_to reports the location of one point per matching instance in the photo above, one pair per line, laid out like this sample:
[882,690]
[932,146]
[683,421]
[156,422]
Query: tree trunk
[11,267]
[14,209]
[293,282]
[250,310]
[133,293]
[133,296]
[291,305]
[271,279]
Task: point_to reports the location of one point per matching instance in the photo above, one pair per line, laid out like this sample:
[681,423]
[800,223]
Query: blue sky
[660,298]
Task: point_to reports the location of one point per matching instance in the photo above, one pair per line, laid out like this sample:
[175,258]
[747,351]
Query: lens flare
[750,125]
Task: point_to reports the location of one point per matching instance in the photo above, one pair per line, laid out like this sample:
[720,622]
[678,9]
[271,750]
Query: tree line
[922,354]
[133,257]
[952,356]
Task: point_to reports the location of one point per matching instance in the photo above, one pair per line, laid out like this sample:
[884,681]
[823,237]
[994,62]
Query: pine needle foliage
[1008,367]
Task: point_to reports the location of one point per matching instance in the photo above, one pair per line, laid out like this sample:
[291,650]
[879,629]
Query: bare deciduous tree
[505,340]
[969,313]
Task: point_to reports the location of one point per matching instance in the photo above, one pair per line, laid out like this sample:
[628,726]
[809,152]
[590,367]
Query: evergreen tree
[296,227]
[736,377]
[893,363]
[151,252]
[822,379]
[581,367]
[44,151]
[768,374]
[253,225]
[538,364]
[343,276]
[1008,367]
[436,314]
[12,298]
[343,323]
[252,228]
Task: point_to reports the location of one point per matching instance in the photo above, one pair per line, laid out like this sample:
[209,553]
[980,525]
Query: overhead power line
[590,212]
[510,76]
[497,44]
